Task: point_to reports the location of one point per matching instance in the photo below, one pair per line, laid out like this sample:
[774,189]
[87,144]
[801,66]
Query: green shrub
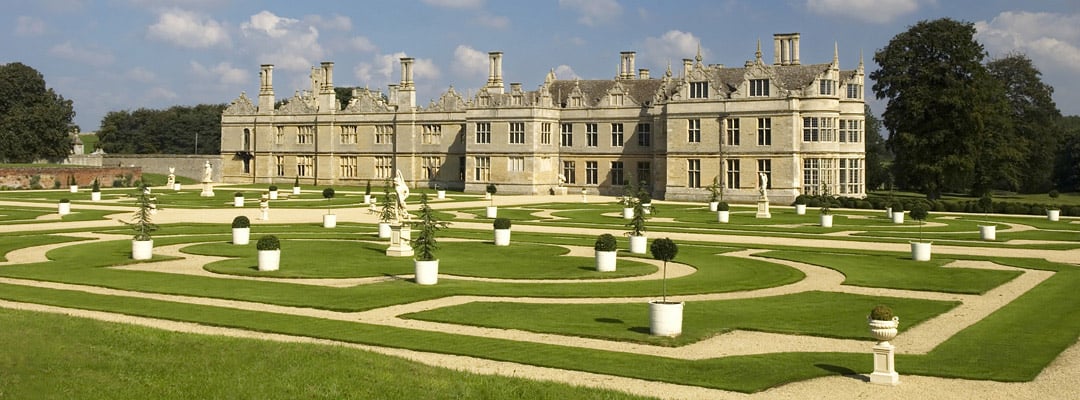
[65,201]
[367,187]
[268,242]
[502,223]
[723,206]
[881,312]
[605,242]
[273,188]
[296,182]
[328,193]
[491,189]
[241,222]
[96,186]
[238,194]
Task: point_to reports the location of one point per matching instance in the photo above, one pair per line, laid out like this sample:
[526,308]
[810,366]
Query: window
[348,134]
[347,167]
[851,130]
[305,134]
[280,161]
[566,135]
[483,132]
[384,134]
[819,129]
[851,176]
[305,165]
[384,167]
[732,132]
[616,135]
[591,137]
[644,171]
[591,174]
[854,91]
[693,131]
[431,166]
[693,173]
[545,133]
[617,173]
[759,88]
[568,172]
[699,90]
[517,133]
[432,134]
[279,134]
[515,164]
[482,172]
[827,87]
[617,99]
[766,167]
[247,140]
[732,174]
[812,176]
[764,131]
[643,135]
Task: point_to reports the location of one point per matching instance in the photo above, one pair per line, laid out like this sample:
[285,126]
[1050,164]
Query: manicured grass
[828,314]
[12,242]
[75,358]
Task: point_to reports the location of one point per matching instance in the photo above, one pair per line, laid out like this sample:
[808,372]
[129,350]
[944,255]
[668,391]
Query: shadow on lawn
[843,371]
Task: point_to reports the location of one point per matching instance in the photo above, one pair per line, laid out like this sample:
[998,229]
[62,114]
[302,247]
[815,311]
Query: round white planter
[898,217]
[95,196]
[238,201]
[627,213]
[1053,215]
[384,230]
[665,318]
[888,212]
[988,232]
[800,209]
[142,249]
[296,190]
[73,188]
[176,187]
[367,199]
[723,216]
[440,194]
[638,244]
[605,261]
[502,237]
[487,196]
[647,207]
[427,272]
[920,251]
[241,235]
[63,208]
[714,205]
[492,211]
[273,195]
[329,220]
[269,260]
[826,220]
[883,330]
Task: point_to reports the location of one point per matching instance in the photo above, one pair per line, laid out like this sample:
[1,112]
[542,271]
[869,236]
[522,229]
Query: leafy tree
[1067,160]
[1034,116]
[878,156]
[35,121]
[170,131]
[428,224]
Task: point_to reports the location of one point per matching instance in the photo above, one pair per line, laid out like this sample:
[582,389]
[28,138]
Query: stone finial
[698,56]
[757,54]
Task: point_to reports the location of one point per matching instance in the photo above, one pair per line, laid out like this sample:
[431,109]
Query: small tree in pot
[64,207]
[330,219]
[241,230]
[269,248]
[637,230]
[387,205]
[605,247]
[723,213]
[716,194]
[490,192]
[920,251]
[142,246]
[273,192]
[367,192]
[492,210]
[95,191]
[502,231]
[800,204]
[1052,211]
[72,185]
[986,204]
[238,199]
[427,266]
[296,185]
[665,318]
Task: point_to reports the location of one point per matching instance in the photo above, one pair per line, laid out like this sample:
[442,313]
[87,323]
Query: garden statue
[208,172]
[172,178]
[402,191]
[763,184]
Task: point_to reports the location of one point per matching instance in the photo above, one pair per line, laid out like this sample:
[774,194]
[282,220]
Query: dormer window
[827,87]
[699,90]
[759,88]
[617,99]
[854,91]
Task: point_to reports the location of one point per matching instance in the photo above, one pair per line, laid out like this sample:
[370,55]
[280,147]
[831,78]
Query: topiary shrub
[605,242]
[268,242]
[241,222]
[723,206]
[664,250]
[881,312]
[273,188]
[96,186]
[296,182]
[491,189]
[502,223]
[238,194]
[65,201]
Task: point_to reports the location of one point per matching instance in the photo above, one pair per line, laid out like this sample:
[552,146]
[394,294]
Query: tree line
[176,130]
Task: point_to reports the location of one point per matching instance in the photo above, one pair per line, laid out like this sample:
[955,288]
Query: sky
[112,55]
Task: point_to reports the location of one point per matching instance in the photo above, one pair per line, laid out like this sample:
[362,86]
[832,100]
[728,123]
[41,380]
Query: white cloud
[672,46]
[94,57]
[223,73]
[455,3]
[492,21]
[187,29]
[285,42]
[267,23]
[565,72]
[29,26]
[160,93]
[335,22]
[361,43]
[470,63]
[1050,40]
[593,12]
[873,11]
[385,69]
[140,74]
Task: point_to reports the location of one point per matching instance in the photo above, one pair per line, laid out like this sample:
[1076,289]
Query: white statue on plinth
[172,178]
[402,191]
[763,184]
[208,173]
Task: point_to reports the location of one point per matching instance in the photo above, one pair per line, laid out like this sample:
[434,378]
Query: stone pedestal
[763,209]
[884,367]
[207,189]
[400,235]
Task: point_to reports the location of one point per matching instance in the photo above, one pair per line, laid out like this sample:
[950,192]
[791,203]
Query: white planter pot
[95,196]
[638,244]
[723,216]
[427,272]
[920,251]
[492,211]
[898,217]
[273,195]
[883,330]
[605,261]
[73,188]
[63,208]
[647,207]
[487,196]
[238,201]
[384,230]
[988,232]
[800,209]
[367,199]
[888,212]
[665,319]
[1053,215]
[176,187]
[142,249]
[269,260]
[502,237]
[627,213]
[440,194]
[329,220]
[241,235]
[296,190]
[826,220]
[714,205]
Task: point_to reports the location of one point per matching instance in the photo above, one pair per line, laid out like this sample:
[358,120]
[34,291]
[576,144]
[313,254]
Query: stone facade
[802,124]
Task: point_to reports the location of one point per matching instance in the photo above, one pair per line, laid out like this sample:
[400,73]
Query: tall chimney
[626,65]
[266,88]
[407,72]
[495,80]
[786,47]
[328,76]
[643,73]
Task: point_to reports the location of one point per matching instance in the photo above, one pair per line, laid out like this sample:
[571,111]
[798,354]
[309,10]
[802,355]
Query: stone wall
[190,166]
[49,177]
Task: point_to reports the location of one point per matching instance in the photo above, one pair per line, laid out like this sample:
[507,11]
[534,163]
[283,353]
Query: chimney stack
[266,88]
[786,49]
[626,65]
[643,73]
[495,80]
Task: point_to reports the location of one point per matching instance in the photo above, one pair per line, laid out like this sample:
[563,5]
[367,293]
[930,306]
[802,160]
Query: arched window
[247,139]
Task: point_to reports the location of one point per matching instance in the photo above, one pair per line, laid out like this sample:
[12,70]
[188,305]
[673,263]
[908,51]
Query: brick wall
[47,177]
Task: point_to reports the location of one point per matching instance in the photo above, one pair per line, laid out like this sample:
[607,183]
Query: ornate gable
[241,106]
[367,101]
[449,101]
[297,105]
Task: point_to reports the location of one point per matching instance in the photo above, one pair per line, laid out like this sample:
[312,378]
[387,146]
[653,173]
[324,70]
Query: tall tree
[878,157]
[35,121]
[176,130]
[1067,165]
[932,75]
[1034,116]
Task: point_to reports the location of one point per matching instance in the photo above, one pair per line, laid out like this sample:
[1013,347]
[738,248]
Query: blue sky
[111,55]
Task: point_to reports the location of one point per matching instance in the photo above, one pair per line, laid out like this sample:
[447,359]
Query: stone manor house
[801,124]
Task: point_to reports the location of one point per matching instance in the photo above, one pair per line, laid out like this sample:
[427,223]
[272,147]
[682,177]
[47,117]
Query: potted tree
[502,231]
[665,318]
[95,191]
[920,251]
[142,247]
[800,205]
[367,192]
[826,213]
[489,191]
[605,248]
[238,199]
[492,211]
[273,192]
[883,326]
[628,200]
[637,230]
[241,230]
[269,248]
[715,195]
[1052,212]
[427,266]
[986,204]
[386,211]
[329,219]
[897,212]
[73,186]
[296,186]
[440,192]
[64,207]
[722,212]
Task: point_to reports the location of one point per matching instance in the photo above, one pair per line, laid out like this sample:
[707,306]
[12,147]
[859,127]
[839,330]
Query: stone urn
[883,330]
